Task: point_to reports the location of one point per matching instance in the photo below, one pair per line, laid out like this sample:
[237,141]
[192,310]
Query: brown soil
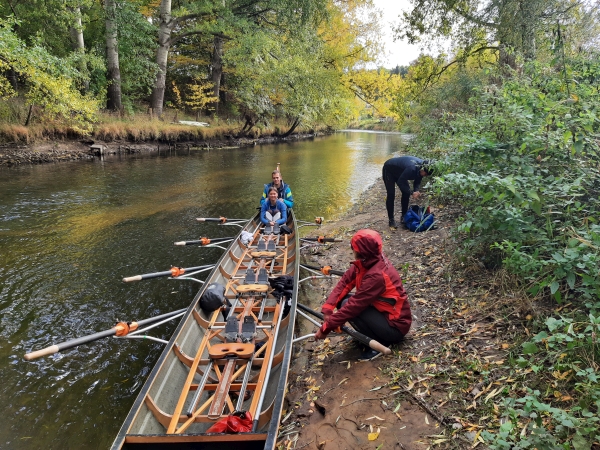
[431,390]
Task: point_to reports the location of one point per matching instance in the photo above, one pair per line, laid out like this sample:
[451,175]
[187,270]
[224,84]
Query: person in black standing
[399,171]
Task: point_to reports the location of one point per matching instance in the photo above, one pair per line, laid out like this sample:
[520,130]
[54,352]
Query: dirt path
[419,395]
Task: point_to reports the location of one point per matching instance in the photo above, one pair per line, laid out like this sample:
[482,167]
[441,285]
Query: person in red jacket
[379,307]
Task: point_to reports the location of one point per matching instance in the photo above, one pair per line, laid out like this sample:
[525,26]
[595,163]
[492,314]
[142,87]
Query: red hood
[369,244]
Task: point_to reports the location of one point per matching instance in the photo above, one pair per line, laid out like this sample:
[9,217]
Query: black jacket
[401,170]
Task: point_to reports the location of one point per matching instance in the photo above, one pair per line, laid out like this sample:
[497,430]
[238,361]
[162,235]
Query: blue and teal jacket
[283,192]
[279,206]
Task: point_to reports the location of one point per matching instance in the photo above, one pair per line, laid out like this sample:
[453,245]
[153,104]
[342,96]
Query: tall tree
[474,26]
[214,17]
[113,95]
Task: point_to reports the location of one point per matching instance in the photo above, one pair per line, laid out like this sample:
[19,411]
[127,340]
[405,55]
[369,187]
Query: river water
[70,232]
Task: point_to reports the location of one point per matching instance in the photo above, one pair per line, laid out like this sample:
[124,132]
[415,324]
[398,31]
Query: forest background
[510,114]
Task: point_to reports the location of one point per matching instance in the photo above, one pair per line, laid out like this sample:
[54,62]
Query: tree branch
[438,74]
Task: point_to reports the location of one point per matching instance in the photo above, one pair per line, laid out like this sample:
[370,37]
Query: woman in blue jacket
[273,211]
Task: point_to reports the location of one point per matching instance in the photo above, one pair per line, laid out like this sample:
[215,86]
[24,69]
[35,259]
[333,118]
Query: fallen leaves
[373,435]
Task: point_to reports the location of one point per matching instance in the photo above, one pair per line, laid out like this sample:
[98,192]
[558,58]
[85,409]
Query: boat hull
[169,412]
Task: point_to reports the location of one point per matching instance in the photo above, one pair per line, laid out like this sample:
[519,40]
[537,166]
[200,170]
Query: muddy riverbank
[12,154]
[428,391]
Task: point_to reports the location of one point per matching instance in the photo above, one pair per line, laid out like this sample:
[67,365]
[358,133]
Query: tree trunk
[528,19]
[217,71]
[162,54]
[77,30]
[113,95]
[247,126]
[292,128]
[12,78]
[29,115]
[79,46]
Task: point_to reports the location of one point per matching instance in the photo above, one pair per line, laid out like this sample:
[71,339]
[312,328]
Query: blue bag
[417,220]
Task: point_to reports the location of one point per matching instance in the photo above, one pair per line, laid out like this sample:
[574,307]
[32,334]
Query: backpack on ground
[416,219]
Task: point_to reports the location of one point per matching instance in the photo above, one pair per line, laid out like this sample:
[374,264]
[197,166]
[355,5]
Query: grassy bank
[142,128]
[374,125]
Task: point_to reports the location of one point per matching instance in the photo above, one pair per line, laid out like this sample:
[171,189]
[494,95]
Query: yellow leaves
[561,376]
[492,394]
[199,94]
[373,435]
[562,397]
[376,88]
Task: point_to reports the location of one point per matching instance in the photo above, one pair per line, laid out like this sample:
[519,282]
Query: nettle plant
[525,168]
[565,354]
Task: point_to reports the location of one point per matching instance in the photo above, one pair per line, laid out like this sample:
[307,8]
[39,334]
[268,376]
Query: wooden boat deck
[194,382]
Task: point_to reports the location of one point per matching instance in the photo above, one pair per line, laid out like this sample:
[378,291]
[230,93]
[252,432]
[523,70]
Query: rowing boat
[220,362]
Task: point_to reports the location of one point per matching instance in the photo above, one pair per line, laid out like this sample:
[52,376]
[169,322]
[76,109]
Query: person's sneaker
[369,354]
[402,218]
[393,224]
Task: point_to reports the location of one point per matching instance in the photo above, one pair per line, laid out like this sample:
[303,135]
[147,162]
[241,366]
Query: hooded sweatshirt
[377,284]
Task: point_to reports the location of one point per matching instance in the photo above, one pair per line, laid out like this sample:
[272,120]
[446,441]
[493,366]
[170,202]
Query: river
[70,232]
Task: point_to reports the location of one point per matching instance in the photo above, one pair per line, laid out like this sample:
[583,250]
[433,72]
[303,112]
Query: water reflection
[69,233]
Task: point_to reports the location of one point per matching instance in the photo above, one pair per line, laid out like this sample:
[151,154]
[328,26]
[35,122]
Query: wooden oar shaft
[320,269]
[355,334]
[217,219]
[166,273]
[204,241]
[92,337]
[322,239]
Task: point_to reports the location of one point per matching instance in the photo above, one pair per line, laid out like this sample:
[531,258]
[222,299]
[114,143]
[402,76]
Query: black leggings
[374,324]
[390,189]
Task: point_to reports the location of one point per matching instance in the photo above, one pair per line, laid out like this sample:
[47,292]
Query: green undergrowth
[522,160]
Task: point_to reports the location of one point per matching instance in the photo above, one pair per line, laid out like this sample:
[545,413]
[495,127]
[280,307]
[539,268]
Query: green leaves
[50,80]
[529,348]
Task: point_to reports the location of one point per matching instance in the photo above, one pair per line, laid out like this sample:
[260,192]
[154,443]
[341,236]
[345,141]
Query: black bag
[213,297]
[284,229]
[283,287]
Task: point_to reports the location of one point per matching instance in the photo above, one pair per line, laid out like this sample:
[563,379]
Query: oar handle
[173,272]
[375,345]
[325,270]
[204,241]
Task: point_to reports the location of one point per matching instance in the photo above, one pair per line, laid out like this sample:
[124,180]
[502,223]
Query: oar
[322,239]
[173,272]
[326,270]
[355,334]
[120,329]
[218,219]
[205,241]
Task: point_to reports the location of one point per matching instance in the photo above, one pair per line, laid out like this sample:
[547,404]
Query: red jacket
[377,284]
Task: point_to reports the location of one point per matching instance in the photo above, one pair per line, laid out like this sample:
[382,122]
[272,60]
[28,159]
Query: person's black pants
[374,324]
[390,189]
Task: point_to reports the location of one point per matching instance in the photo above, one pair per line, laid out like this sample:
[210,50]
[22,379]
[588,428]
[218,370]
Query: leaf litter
[451,364]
